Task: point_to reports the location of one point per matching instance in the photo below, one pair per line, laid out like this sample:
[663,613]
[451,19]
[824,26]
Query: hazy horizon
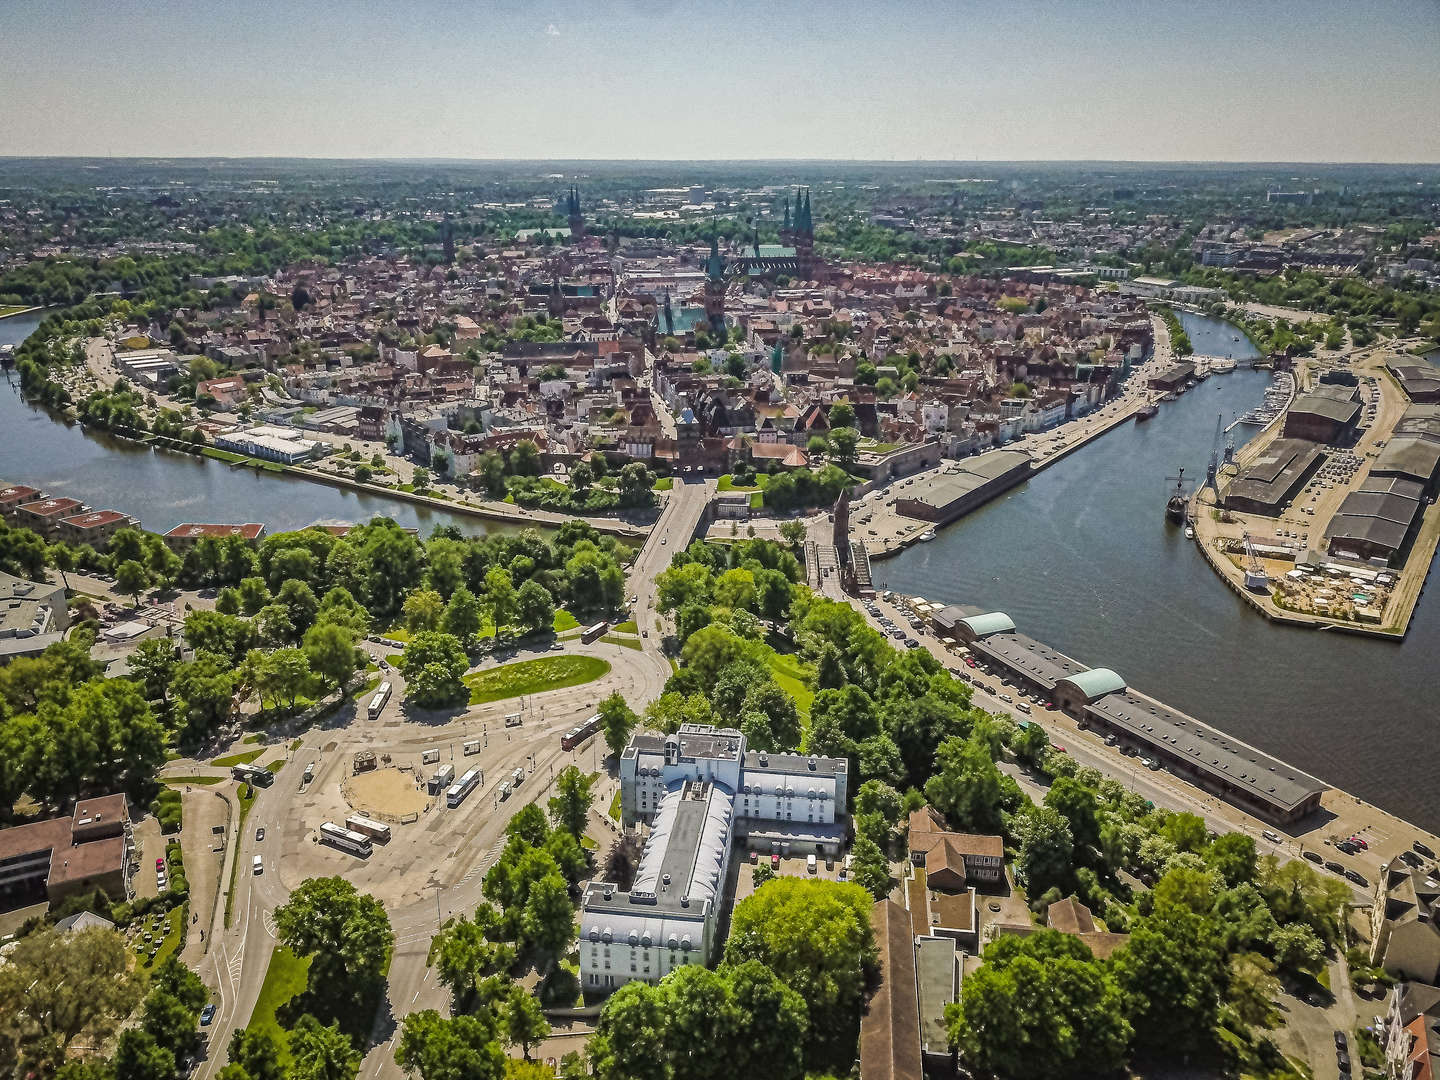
[1205,81]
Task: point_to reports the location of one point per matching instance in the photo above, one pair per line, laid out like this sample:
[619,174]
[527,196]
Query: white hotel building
[698,790]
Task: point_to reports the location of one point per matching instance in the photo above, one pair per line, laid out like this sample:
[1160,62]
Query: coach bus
[376,830]
[461,789]
[377,703]
[249,774]
[590,633]
[355,843]
[577,735]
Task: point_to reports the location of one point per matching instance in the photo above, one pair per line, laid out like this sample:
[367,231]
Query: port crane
[1212,469]
[1256,580]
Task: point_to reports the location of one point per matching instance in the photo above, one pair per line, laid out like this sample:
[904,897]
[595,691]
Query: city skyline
[1311,82]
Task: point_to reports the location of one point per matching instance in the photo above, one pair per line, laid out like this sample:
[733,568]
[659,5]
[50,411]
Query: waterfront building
[187,534]
[270,444]
[958,489]
[1274,478]
[1099,698]
[15,496]
[33,616]
[94,527]
[1405,923]
[44,515]
[1327,415]
[66,855]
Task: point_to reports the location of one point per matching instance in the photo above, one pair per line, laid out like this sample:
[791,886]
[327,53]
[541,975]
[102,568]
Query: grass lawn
[11,309]
[615,806]
[665,483]
[397,633]
[181,781]
[284,978]
[790,673]
[564,621]
[625,642]
[533,677]
[275,765]
[242,758]
[627,627]
[296,744]
[727,483]
[254,738]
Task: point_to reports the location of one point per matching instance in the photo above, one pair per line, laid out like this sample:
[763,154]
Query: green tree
[845,440]
[1232,856]
[1046,849]
[617,720]
[630,1040]
[139,1057]
[464,615]
[793,532]
[966,788]
[318,1052]
[154,663]
[300,601]
[525,1023]
[345,933]
[131,579]
[254,594]
[842,414]
[460,1048]
[535,607]
[424,609]
[816,937]
[284,674]
[1040,1006]
[257,1052]
[1297,947]
[330,651]
[772,1020]
[500,596]
[1172,971]
[433,665]
[464,956]
[570,805]
[548,921]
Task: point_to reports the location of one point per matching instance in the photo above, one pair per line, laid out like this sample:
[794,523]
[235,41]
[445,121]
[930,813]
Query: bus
[377,703]
[472,747]
[590,633]
[577,735]
[355,843]
[443,778]
[461,789]
[376,830]
[515,719]
[249,774]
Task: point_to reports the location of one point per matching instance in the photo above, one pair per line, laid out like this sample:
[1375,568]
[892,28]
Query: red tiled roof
[189,529]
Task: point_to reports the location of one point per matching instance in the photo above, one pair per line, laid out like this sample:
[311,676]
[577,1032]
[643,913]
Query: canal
[163,488]
[1081,557]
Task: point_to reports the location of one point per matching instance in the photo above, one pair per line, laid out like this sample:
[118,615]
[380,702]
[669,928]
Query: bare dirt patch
[390,791]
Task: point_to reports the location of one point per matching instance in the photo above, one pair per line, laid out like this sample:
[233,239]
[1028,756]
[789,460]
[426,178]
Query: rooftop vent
[813,764]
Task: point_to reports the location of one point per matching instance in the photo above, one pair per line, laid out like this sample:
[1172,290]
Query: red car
[1059,749]
[969,661]
[774,862]
[1360,840]
[159,864]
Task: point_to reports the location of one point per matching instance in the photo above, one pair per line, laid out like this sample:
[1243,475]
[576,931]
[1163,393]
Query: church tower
[787,236]
[577,220]
[804,237]
[715,287]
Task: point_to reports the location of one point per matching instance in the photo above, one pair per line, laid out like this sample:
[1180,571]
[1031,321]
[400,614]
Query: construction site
[1327,517]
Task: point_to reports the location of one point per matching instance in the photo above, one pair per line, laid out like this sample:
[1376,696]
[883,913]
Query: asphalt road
[238,957]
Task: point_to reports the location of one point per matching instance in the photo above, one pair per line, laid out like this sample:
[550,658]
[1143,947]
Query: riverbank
[895,532]
[12,312]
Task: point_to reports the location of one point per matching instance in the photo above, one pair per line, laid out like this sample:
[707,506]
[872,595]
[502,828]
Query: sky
[1006,80]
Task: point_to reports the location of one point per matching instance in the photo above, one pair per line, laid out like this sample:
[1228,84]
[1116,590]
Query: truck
[443,778]
[515,719]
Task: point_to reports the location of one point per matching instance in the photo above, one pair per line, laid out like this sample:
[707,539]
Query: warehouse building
[1173,377]
[1378,525]
[1410,457]
[957,489]
[67,855]
[1328,415]
[270,444]
[1099,698]
[1421,382]
[1274,478]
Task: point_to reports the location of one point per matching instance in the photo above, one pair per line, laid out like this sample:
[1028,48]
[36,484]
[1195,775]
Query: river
[1081,558]
[163,488]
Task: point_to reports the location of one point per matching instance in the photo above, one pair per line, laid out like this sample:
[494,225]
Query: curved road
[238,957]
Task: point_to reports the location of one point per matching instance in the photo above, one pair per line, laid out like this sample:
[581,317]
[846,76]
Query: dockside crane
[1212,469]
[1256,580]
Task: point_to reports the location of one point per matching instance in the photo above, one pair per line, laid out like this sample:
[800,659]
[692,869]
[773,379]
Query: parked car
[1359,841]
[1347,847]
[1314,856]
[1274,838]
[1341,1042]
[1334,867]
[1423,849]
[260,834]
[1357,877]
[207,1014]
[774,862]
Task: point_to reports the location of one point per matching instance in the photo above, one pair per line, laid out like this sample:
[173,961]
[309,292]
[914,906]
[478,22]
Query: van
[810,864]
[259,866]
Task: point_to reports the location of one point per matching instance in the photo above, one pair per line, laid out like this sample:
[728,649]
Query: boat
[1147,413]
[1189,532]
[1175,505]
[928,534]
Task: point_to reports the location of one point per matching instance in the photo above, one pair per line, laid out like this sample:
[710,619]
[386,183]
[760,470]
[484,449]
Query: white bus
[376,830]
[377,703]
[355,843]
[461,789]
[443,778]
[472,747]
[249,774]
